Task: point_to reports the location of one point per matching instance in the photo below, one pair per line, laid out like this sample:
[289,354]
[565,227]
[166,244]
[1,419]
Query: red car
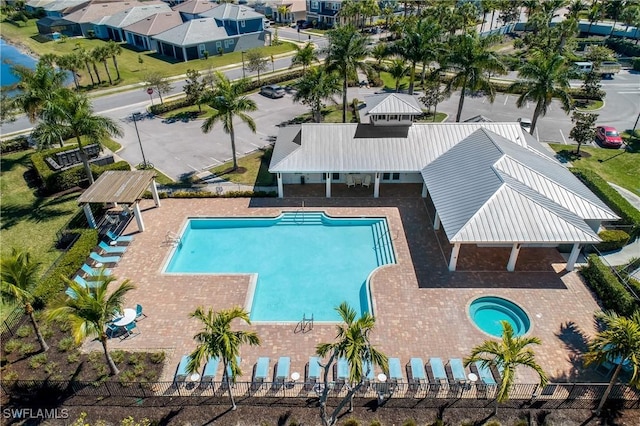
[608,136]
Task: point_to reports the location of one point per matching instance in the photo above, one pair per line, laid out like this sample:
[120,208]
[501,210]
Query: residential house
[139,34]
[323,13]
[33,6]
[54,11]
[112,27]
[193,8]
[82,21]
[491,184]
[296,10]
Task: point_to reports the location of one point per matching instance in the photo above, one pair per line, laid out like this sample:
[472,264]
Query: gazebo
[120,187]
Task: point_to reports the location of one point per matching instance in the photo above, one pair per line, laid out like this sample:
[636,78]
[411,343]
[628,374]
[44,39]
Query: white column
[328,185]
[184,54]
[154,193]
[138,215]
[424,190]
[280,187]
[454,257]
[515,250]
[89,214]
[436,222]
[575,251]
[376,186]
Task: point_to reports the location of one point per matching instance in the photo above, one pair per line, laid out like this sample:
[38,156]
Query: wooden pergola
[120,187]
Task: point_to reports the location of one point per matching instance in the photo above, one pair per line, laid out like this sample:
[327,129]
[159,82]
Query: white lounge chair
[367,181]
[350,181]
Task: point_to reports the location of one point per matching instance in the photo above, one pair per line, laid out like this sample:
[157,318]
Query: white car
[525,123]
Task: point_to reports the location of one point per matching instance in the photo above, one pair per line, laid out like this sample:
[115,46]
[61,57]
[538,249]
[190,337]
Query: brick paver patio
[420,307]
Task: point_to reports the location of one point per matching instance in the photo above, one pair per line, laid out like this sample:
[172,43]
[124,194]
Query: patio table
[129,315]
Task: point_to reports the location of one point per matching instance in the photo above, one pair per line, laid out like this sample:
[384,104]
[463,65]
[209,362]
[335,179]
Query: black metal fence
[10,323]
[401,395]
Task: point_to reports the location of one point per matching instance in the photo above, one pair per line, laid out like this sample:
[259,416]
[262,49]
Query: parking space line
[194,168]
[564,141]
[506,99]
[216,160]
[629,93]
[537,135]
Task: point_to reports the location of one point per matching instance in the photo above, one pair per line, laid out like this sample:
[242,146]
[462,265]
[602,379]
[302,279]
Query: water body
[12,56]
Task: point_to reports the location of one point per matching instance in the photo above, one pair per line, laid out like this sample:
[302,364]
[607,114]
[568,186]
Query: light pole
[636,123]
[243,76]
[144,164]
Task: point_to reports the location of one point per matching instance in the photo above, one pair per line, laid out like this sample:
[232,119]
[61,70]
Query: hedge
[20,143]
[611,292]
[623,47]
[636,64]
[612,239]
[52,285]
[629,214]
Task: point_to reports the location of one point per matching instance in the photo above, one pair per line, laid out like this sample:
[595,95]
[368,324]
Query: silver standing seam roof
[234,12]
[195,31]
[127,17]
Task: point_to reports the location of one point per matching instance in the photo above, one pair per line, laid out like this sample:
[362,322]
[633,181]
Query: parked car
[608,136]
[302,24]
[525,123]
[272,91]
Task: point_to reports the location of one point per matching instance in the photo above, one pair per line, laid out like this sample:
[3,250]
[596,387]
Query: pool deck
[420,307]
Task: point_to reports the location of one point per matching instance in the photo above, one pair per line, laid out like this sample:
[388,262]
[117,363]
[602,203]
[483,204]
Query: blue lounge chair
[262,369]
[282,371]
[238,361]
[313,370]
[139,313]
[104,260]
[111,249]
[437,368]
[112,330]
[209,372]
[126,239]
[342,370]
[94,272]
[485,374]
[457,370]
[395,372]
[181,372]
[418,375]
[85,283]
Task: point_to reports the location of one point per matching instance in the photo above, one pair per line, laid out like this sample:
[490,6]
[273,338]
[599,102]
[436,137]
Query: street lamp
[243,76]
[144,164]
[382,388]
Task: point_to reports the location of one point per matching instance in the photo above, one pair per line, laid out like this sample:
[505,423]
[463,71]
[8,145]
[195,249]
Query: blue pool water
[487,312]
[12,56]
[306,263]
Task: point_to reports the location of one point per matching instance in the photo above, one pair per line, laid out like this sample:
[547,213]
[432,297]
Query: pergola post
[453,260]
[436,222]
[154,193]
[89,215]
[328,185]
[138,215]
[515,250]
[376,186]
[280,187]
[424,190]
[571,262]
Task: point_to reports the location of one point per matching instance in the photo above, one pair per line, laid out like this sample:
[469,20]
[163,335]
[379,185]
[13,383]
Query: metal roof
[392,103]
[130,16]
[234,12]
[195,31]
[112,186]
[155,24]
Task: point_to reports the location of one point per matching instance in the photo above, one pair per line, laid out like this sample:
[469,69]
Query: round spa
[487,312]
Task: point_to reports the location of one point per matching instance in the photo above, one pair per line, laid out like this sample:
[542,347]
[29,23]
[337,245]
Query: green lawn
[591,105]
[30,222]
[131,70]
[616,166]
[253,169]
[390,82]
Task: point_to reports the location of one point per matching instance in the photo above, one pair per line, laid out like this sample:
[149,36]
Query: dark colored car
[304,24]
[608,136]
[272,91]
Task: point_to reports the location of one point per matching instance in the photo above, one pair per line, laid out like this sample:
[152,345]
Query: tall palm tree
[91,309]
[470,60]
[85,57]
[19,274]
[72,63]
[619,343]
[96,55]
[101,54]
[37,87]
[574,9]
[398,70]
[352,343]
[72,113]
[595,13]
[315,87]
[506,355]
[345,54]
[304,56]
[114,49]
[217,339]
[283,11]
[228,101]
[543,78]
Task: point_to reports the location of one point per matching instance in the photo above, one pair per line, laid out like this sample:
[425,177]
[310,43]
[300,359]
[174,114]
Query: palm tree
[19,276]
[506,356]
[114,49]
[345,54]
[218,340]
[94,56]
[86,58]
[352,343]
[379,52]
[72,63]
[619,343]
[72,113]
[398,69]
[314,88]
[543,78]
[101,54]
[574,9]
[228,101]
[304,56]
[283,11]
[91,309]
[37,87]
[470,60]
[595,13]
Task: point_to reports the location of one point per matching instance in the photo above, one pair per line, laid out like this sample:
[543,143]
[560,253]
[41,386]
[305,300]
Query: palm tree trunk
[536,114]
[29,310]
[115,65]
[226,376]
[484,19]
[112,365]
[233,147]
[106,69]
[85,160]
[95,69]
[75,79]
[613,28]
[461,102]
[492,16]
[344,97]
[89,72]
[412,77]
[607,391]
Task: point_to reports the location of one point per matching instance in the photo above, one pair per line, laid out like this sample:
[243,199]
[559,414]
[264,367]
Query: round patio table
[129,315]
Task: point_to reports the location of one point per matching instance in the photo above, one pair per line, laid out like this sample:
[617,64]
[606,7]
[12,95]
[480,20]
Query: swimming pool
[306,262]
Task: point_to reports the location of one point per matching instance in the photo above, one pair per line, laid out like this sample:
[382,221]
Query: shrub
[409,422]
[629,214]
[66,344]
[151,376]
[375,423]
[611,292]
[27,348]
[169,106]
[51,367]
[157,357]
[24,331]
[117,356]
[73,357]
[64,325]
[20,143]
[130,421]
[351,422]
[12,345]
[613,239]
[623,47]
[9,376]
[135,358]
[46,331]
[138,369]
[37,361]
[68,264]
[230,194]
[126,377]
[636,64]
[95,357]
